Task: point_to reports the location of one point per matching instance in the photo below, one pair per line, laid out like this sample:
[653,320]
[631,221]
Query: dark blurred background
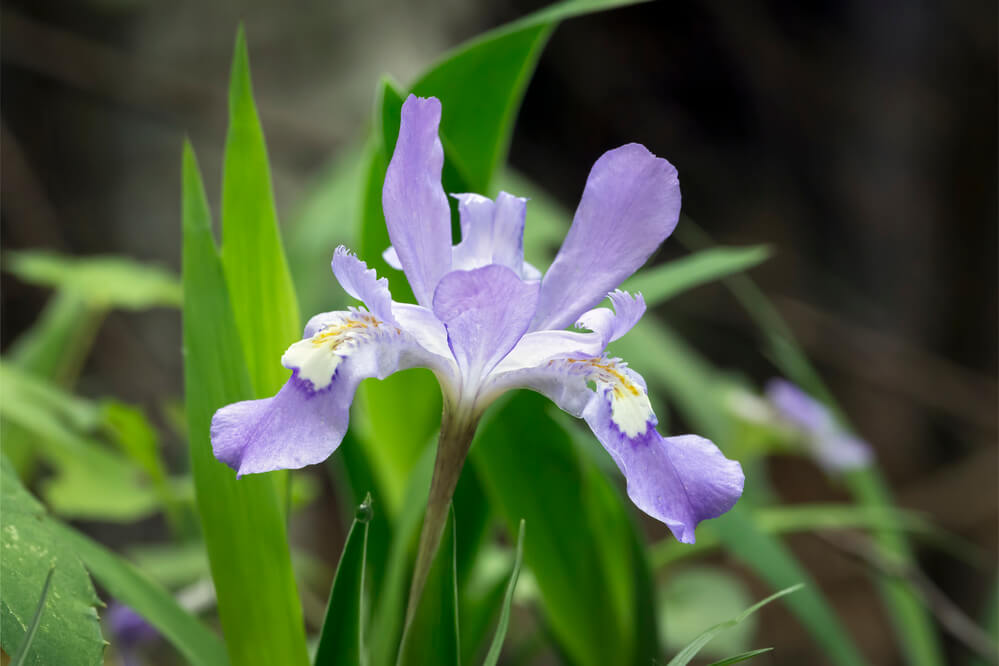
[858,138]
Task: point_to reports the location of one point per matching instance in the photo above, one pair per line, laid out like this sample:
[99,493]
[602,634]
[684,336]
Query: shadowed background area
[858,139]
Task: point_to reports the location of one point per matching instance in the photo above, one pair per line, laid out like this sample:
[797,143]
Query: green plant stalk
[457,431]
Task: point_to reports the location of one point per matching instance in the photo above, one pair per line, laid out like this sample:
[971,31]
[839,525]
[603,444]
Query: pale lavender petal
[834,449]
[678,480]
[508,232]
[363,284]
[631,203]
[485,312]
[391,258]
[306,421]
[416,210]
[797,407]
[475,214]
[611,325]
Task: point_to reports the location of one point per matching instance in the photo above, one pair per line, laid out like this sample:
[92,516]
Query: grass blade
[745,656]
[504,619]
[29,636]
[689,652]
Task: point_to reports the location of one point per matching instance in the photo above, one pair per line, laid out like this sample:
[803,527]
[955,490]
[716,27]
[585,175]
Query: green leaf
[670,278]
[689,652]
[745,656]
[128,584]
[432,636]
[531,470]
[68,631]
[104,282]
[342,637]
[914,627]
[260,288]
[243,521]
[20,658]
[504,620]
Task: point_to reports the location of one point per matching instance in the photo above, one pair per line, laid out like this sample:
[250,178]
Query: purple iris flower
[130,630]
[832,447]
[487,322]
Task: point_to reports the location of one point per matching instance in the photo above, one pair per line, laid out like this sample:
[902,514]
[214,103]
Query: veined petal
[416,210]
[475,214]
[485,312]
[630,204]
[363,284]
[306,421]
[508,232]
[611,325]
[677,480]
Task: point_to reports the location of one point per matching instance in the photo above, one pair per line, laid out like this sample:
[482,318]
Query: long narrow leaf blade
[261,292]
[504,619]
[29,635]
[739,658]
[342,637]
[243,521]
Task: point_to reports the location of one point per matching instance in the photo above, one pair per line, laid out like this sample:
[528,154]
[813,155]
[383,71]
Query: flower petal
[305,422]
[611,325]
[363,283]
[485,312]
[416,211]
[631,203]
[475,214]
[677,480]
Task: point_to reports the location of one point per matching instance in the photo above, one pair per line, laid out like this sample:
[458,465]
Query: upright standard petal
[485,312]
[631,203]
[677,480]
[363,284]
[416,210]
[306,421]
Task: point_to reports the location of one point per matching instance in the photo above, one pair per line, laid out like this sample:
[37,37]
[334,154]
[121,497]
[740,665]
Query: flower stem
[457,430]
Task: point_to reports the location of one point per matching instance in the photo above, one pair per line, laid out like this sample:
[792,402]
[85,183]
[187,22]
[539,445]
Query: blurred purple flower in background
[488,322]
[832,447]
[130,631]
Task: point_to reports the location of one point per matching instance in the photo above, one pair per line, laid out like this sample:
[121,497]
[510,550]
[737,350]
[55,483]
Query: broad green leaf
[739,658]
[342,637]
[130,585]
[668,279]
[432,636]
[21,657]
[694,598]
[68,631]
[243,521]
[530,470]
[914,627]
[103,282]
[256,271]
[504,619]
[689,652]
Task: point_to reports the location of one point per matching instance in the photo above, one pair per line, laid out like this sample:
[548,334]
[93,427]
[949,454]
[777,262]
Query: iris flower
[486,322]
[832,447]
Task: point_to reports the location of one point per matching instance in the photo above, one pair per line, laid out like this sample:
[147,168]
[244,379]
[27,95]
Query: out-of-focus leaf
[260,288]
[104,282]
[504,619]
[243,521]
[689,652]
[693,598]
[543,480]
[914,627]
[171,565]
[68,631]
[130,585]
[432,636]
[665,281]
[342,637]
[745,656]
